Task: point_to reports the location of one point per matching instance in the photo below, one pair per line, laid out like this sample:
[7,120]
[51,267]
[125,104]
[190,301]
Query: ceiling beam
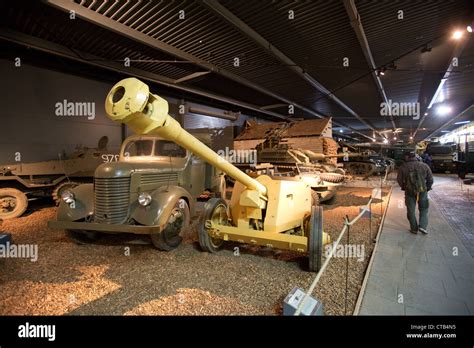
[218,8]
[124,30]
[192,76]
[274,106]
[356,24]
[58,50]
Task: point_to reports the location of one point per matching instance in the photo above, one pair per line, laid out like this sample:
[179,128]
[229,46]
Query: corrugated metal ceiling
[317,40]
[210,38]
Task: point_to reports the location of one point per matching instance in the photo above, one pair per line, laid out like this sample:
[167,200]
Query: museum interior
[236,158]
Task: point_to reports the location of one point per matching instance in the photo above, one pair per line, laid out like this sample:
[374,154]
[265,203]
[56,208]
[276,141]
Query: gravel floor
[123,274]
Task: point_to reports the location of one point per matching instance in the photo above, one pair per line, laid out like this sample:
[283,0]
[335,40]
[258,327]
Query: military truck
[22,182]
[442,156]
[151,189]
[464,158]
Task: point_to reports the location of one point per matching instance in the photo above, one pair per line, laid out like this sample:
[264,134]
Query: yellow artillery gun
[265,211]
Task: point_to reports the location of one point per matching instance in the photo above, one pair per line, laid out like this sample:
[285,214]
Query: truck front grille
[158,178]
[111,199]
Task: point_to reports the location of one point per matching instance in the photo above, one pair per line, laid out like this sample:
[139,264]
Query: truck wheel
[215,210]
[314,198]
[171,237]
[60,188]
[315,239]
[13,203]
[82,237]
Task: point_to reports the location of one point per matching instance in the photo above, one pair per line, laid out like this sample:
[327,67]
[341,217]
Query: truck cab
[464,158]
[151,189]
[442,156]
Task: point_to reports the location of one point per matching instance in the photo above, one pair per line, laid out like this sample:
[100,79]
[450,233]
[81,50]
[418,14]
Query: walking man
[416,179]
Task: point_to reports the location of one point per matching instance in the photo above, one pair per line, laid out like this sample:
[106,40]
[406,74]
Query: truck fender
[83,204]
[163,201]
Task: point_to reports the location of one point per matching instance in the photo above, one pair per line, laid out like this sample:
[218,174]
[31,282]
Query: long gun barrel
[130,102]
[319,156]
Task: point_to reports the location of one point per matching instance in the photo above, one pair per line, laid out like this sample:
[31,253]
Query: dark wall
[29,124]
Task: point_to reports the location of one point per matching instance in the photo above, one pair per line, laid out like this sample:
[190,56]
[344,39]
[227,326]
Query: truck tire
[171,236]
[332,177]
[59,189]
[462,170]
[213,210]
[82,237]
[315,239]
[13,203]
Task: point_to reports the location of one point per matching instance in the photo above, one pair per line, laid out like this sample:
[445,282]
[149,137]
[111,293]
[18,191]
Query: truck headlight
[144,199]
[67,197]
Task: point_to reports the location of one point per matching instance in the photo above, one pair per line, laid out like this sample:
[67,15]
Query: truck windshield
[139,148]
[168,148]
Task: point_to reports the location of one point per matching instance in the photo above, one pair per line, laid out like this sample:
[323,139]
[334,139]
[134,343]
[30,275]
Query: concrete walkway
[456,202]
[418,274]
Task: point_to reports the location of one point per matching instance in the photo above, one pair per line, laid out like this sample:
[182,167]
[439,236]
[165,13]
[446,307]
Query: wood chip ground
[125,275]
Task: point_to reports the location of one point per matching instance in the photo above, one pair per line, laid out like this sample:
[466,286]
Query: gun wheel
[315,239]
[13,203]
[215,210]
[171,237]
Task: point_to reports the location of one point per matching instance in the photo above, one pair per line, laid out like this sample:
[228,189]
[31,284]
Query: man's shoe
[414,231]
[423,230]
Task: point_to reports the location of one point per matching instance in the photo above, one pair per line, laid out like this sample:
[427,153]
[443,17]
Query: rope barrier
[386,175]
[347,223]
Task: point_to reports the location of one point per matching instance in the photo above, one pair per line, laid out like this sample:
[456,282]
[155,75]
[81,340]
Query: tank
[365,166]
[365,163]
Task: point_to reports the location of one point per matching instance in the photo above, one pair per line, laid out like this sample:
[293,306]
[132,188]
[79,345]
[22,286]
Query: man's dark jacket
[414,165]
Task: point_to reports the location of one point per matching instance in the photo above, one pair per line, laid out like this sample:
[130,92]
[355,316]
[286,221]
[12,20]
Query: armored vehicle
[151,189]
[367,164]
[317,169]
[397,152]
[21,182]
